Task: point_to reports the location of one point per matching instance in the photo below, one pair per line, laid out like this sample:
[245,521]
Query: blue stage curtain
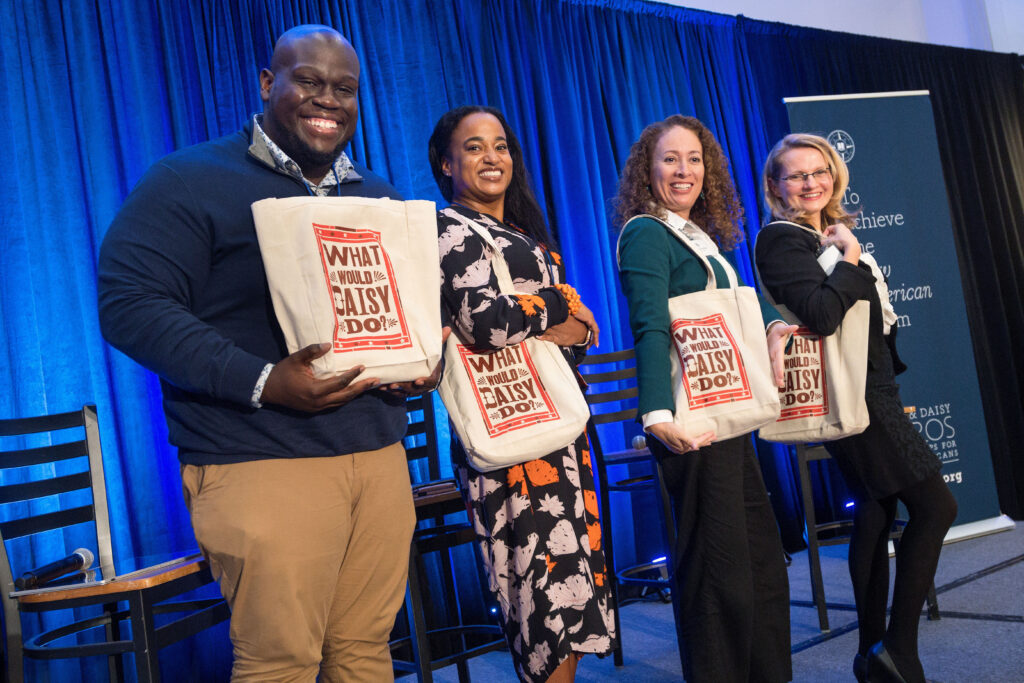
[95,92]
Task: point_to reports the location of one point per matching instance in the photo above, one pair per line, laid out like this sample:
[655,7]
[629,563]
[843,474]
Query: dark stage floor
[979,639]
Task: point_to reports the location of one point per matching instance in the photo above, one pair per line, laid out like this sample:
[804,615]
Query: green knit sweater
[655,266]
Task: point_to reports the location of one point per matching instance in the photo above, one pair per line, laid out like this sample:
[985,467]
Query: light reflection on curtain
[96,92]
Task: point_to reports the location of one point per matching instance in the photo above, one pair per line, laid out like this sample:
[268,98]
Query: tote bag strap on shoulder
[688,242]
[757,272]
[498,263]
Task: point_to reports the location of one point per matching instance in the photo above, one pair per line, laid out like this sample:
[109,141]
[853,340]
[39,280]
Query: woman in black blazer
[804,181]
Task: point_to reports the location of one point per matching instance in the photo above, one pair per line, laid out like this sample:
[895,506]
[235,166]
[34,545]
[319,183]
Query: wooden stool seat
[147,591]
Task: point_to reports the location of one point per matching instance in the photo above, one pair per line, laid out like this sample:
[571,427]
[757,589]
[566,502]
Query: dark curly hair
[521,208]
[717,210]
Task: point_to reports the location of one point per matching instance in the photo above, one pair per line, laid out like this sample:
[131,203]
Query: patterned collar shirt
[266,150]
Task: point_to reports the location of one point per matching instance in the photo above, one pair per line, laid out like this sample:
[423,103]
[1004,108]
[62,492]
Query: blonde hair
[833,211]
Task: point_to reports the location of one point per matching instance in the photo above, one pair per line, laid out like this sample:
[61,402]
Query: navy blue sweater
[182,291]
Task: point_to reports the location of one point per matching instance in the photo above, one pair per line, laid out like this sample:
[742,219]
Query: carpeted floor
[979,638]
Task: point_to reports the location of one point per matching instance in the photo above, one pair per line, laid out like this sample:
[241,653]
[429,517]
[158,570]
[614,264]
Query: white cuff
[768,327]
[257,391]
[656,417]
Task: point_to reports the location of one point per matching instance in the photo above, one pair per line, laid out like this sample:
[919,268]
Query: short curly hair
[717,210]
[834,212]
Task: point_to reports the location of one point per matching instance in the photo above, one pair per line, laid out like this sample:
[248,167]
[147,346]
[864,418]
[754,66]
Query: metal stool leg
[597,460]
[811,535]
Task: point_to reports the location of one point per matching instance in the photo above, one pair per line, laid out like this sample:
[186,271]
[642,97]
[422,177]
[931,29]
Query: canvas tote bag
[360,273]
[721,373]
[515,404]
[825,376]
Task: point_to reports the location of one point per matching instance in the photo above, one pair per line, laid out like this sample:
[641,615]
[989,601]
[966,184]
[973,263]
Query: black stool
[832,533]
[441,526]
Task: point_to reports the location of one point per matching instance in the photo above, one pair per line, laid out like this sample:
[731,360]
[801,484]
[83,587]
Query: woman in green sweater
[729,575]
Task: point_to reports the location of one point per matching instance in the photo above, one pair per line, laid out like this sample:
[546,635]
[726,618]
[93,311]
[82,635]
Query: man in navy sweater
[298,487]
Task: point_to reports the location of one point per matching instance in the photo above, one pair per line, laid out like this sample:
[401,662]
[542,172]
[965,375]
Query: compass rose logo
[842,143]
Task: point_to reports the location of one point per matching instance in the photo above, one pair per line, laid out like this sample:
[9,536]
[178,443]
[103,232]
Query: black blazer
[786,259]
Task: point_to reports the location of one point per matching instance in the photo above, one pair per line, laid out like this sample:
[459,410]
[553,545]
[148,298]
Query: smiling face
[479,163]
[797,187]
[677,170]
[309,97]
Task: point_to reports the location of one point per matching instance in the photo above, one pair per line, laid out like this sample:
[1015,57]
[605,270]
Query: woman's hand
[677,440]
[842,237]
[585,316]
[778,336]
[569,333]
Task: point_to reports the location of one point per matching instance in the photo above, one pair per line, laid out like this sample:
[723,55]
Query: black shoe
[880,666]
[860,668]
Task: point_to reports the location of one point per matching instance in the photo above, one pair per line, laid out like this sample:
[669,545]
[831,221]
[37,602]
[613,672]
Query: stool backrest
[51,479]
[421,446]
[613,399]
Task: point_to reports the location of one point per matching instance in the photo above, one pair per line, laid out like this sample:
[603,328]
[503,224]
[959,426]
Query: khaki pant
[312,556]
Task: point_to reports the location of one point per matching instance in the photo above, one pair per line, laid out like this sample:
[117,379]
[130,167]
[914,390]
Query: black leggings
[932,510]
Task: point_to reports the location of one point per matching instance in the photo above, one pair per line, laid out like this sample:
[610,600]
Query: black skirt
[890,455]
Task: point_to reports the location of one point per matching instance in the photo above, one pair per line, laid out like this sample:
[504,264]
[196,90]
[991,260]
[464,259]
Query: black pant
[731,591]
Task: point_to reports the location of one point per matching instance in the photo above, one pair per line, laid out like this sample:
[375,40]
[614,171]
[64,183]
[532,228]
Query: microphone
[639,442]
[76,561]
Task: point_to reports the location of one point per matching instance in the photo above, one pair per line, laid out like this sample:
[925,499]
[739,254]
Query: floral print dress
[537,522]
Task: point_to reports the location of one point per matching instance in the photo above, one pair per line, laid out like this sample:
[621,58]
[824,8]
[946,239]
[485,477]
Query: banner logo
[842,143]
[712,368]
[806,393]
[364,292]
[935,423]
[507,389]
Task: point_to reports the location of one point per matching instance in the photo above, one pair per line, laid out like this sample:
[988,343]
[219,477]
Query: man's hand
[677,440]
[291,383]
[422,385]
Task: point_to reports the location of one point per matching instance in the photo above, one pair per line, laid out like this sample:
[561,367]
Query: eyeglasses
[800,178]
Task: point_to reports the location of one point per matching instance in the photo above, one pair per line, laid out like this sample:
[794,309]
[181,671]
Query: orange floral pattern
[594,535]
[530,303]
[517,476]
[540,472]
[539,520]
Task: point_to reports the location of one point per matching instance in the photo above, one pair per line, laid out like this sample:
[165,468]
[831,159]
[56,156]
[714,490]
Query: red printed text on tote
[805,394]
[712,369]
[507,388]
[364,292]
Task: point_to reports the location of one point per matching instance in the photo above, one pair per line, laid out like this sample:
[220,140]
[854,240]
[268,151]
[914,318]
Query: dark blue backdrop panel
[96,92]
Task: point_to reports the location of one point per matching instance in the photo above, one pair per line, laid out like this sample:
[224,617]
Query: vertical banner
[897,190]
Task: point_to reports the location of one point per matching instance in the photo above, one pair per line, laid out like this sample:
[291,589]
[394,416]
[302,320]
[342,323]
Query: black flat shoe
[881,667]
[860,668]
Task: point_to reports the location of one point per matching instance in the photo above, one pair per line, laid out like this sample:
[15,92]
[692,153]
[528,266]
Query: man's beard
[307,157]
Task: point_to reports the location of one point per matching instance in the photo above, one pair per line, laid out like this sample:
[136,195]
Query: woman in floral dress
[537,522]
